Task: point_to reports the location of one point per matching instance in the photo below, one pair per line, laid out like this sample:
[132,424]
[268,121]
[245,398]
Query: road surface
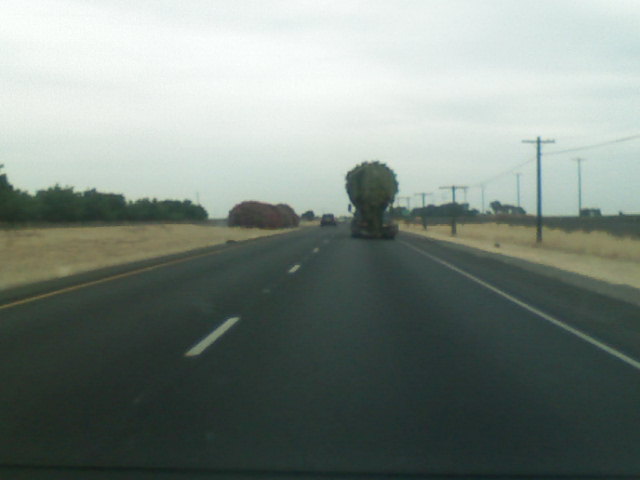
[314,352]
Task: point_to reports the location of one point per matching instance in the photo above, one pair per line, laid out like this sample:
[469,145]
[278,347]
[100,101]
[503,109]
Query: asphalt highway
[315,353]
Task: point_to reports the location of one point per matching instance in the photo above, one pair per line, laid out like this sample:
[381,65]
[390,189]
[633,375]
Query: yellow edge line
[103,280]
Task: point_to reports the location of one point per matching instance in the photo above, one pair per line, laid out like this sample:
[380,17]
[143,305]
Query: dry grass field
[596,254]
[35,254]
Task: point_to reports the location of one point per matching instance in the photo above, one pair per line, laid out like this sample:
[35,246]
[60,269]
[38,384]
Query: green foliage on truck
[372,187]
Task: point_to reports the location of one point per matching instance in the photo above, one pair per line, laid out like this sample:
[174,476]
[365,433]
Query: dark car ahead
[328,219]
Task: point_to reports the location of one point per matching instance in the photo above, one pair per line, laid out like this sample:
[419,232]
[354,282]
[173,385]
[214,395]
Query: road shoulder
[618,291]
[45,287]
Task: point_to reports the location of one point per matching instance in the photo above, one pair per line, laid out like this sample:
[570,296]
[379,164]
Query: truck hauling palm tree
[372,186]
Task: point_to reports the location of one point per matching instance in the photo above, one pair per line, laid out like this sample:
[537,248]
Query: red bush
[289,217]
[262,215]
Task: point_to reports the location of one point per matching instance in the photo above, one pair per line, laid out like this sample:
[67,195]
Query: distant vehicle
[328,219]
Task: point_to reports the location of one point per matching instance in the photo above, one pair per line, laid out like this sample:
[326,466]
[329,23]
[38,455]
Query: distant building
[500,209]
[590,212]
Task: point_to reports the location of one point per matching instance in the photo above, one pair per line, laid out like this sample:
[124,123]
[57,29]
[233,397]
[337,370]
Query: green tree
[308,215]
[58,204]
[105,207]
[15,205]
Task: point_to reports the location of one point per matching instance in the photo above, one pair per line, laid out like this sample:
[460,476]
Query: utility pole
[482,190]
[408,199]
[424,195]
[538,143]
[198,198]
[464,190]
[579,161]
[424,213]
[454,229]
[453,190]
[518,187]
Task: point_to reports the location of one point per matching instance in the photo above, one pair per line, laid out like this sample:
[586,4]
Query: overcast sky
[277,100]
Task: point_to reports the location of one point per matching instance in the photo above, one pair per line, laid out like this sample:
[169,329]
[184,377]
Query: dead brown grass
[596,254]
[309,223]
[31,255]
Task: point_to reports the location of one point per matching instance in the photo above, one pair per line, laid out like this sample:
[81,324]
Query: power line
[557,152]
[595,145]
[502,174]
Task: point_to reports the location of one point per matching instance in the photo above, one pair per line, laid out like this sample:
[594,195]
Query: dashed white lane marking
[206,342]
[295,268]
[316,250]
[558,323]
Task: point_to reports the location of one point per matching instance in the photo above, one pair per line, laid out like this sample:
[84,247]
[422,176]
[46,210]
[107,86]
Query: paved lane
[345,356]
[74,364]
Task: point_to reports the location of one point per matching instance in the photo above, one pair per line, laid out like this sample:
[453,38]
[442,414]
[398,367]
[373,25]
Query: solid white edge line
[558,323]
[295,268]
[206,342]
